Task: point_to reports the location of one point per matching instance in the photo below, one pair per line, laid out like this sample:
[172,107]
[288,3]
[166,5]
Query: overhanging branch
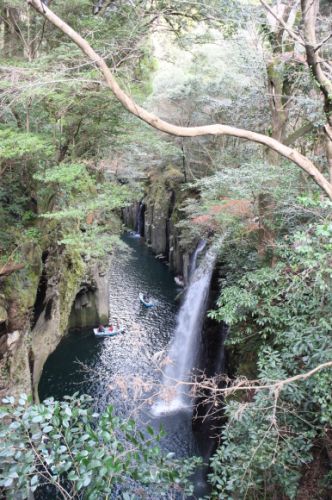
[159,124]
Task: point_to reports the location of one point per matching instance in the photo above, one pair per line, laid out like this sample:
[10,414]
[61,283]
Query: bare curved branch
[164,126]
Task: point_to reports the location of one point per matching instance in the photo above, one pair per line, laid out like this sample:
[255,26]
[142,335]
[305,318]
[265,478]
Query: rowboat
[146,304]
[109,333]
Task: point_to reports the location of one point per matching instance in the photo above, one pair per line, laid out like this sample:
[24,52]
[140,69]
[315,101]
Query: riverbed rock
[3,314]
[91,304]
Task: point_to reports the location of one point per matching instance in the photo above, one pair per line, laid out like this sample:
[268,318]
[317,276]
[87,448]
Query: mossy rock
[173,177]
[3,314]
[20,288]
[73,270]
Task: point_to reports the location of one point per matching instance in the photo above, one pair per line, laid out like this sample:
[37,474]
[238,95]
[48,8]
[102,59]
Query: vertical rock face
[61,293]
[162,200]
[3,327]
[129,215]
[58,286]
[77,296]
[91,305]
[156,219]
[34,311]
[18,291]
[18,362]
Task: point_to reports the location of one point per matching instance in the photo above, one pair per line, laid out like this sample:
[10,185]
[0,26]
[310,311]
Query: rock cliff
[55,290]
[160,214]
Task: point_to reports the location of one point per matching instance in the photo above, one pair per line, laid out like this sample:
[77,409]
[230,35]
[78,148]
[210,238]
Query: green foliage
[15,144]
[20,152]
[80,208]
[57,113]
[287,309]
[67,445]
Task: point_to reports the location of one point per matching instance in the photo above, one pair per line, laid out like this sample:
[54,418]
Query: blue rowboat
[109,333]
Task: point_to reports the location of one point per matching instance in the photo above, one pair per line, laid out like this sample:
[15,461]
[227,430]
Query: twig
[319,45]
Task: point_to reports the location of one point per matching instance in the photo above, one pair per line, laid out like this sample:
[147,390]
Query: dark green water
[108,360]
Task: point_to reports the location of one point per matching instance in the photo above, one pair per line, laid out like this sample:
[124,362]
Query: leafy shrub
[287,309]
[80,452]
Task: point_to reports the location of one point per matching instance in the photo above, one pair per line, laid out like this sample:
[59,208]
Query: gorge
[180,150]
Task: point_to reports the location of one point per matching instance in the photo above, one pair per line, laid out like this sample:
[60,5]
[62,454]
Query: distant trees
[294,33]
[319,62]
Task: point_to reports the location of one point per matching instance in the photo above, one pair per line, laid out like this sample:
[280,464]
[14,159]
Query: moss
[275,71]
[162,186]
[72,272]
[173,177]
[20,288]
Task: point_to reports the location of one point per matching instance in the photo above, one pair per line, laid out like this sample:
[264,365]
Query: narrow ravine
[148,332]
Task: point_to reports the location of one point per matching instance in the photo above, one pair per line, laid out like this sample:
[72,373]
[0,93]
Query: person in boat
[101,328]
[110,328]
[146,297]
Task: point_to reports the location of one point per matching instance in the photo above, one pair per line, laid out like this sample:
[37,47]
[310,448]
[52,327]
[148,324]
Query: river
[109,360]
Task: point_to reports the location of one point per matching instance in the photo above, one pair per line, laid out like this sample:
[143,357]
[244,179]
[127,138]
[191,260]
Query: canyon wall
[161,212]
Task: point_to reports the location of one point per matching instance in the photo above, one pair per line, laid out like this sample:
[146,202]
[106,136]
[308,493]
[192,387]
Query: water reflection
[148,331]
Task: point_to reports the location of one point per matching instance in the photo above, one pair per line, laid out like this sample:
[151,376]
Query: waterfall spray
[185,346]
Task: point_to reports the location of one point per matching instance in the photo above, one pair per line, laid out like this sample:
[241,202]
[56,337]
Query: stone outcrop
[55,290]
[58,285]
[18,344]
[34,311]
[3,326]
[18,292]
[91,304]
[162,200]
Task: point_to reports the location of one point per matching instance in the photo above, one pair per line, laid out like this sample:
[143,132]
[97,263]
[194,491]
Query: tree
[217,129]
[321,70]
[82,454]
[279,324]
[53,113]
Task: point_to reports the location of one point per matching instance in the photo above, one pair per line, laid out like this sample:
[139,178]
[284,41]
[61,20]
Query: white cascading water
[184,348]
[200,247]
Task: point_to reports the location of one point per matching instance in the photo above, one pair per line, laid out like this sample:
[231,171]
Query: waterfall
[139,226]
[200,247]
[185,346]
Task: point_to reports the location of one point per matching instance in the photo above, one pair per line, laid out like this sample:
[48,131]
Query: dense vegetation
[69,448]
[71,157]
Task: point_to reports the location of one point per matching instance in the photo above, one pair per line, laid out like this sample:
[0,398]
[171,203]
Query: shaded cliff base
[155,218]
[56,289]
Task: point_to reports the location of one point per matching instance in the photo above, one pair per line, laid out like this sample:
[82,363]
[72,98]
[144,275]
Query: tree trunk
[310,10]
[12,42]
[276,81]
